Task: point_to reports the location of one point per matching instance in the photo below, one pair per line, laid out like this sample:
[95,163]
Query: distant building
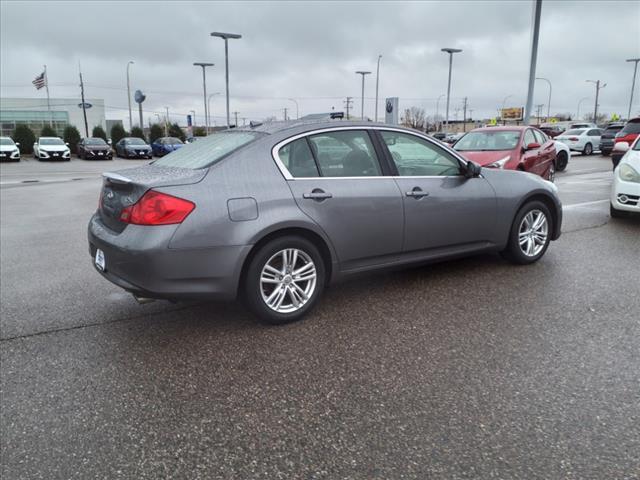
[64,111]
[111,124]
[323,116]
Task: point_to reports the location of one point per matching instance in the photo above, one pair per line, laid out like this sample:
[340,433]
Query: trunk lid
[125,187]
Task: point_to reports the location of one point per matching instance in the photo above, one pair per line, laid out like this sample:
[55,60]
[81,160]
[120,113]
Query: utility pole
[633,84]
[226,37]
[377,84]
[549,102]
[166,123]
[471,114]
[538,110]
[204,65]
[84,105]
[595,108]
[537,10]
[464,116]
[450,51]
[347,105]
[285,113]
[236,115]
[363,73]
[129,97]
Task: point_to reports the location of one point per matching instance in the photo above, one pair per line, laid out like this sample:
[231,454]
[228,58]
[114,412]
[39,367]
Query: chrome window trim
[285,172]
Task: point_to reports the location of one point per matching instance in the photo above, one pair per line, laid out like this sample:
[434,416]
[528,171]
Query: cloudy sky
[309,51]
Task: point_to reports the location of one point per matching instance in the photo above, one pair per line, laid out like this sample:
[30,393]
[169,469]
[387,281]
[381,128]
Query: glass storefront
[33,119]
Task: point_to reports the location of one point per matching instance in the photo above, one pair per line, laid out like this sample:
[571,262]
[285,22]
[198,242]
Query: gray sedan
[275,212]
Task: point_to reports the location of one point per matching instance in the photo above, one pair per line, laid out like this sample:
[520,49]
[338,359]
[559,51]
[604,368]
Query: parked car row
[625,192]
[9,150]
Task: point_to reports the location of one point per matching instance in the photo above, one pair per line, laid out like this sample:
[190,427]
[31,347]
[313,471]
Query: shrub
[99,132]
[117,133]
[25,137]
[48,131]
[155,132]
[71,135]
[137,132]
[199,132]
[176,131]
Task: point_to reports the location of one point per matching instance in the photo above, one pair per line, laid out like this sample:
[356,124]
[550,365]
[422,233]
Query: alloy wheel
[288,280]
[533,233]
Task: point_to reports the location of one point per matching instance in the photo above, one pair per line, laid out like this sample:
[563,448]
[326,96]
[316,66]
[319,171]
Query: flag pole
[46,85]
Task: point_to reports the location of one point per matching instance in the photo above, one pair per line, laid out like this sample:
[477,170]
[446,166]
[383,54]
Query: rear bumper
[140,261]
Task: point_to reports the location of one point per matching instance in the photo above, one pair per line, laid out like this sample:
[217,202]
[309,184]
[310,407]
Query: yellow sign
[554,120]
[615,117]
[512,113]
[493,121]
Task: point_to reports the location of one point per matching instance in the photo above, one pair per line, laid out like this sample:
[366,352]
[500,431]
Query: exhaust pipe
[143,300]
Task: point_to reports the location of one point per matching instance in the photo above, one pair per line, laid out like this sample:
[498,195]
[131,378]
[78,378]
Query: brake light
[156,208]
[573,139]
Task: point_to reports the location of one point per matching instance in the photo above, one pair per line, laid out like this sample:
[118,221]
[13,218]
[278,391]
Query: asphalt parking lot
[467,369]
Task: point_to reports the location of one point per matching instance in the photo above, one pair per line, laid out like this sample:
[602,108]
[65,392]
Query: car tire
[588,149]
[531,250]
[277,305]
[605,153]
[614,213]
[562,160]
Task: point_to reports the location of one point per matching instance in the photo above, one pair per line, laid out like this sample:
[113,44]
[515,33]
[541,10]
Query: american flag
[40,81]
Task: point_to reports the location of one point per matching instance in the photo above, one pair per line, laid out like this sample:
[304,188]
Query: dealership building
[35,113]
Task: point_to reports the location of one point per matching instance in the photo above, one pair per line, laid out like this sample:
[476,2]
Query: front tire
[530,234]
[588,149]
[562,160]
[284,280]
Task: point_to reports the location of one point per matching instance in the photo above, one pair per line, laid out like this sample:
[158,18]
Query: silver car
[274,213]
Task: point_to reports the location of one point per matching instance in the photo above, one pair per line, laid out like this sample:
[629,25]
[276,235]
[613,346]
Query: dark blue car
[163,145]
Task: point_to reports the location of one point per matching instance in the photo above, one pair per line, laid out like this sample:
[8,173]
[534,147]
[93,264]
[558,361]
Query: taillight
[156,208]
[573,139]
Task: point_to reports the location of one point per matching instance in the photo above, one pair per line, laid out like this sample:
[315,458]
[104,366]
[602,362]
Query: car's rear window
[578,131]
[208,150]
[631,127]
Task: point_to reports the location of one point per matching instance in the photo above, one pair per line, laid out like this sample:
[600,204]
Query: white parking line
[584,204]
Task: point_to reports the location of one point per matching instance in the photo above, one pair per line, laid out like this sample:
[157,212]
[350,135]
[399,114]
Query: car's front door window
[416,157]
[529,137]
[346,153]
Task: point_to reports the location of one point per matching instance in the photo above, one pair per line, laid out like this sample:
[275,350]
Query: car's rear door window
[296,156]
[415,157]
[346,153]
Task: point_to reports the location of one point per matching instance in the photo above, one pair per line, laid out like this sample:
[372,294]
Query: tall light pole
[633,84]
[549,102]
[363,73]
[209,107]
[166,123]
[438,110]
[598,88]
[450,51]
[579,102]
[226,37]
[129,96]
[377,85]
[537,11]
[297,110]
[204,66]
[504,102]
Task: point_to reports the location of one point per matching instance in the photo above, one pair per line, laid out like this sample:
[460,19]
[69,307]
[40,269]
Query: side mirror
[66,143]
[109,141]
[533,146]
[621,147]
[17,144]
[472,170]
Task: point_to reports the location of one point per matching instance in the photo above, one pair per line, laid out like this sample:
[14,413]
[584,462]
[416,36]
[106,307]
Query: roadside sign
[139,97]
[391,111]
[512,113]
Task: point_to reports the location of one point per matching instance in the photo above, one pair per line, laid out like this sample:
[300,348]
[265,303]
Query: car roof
[503,128]
[297,126]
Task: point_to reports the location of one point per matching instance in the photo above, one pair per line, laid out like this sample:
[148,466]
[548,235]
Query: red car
[628,134]
[513,148]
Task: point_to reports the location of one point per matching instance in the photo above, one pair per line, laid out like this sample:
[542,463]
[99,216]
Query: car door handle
[317,194]
[417,192]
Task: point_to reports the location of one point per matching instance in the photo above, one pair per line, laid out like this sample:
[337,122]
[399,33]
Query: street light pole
[297,110]
[598,88]
[377,84]
[633,84]
[549,102]
[437,111]
[204,66]
[193,118]
[579,102]
[537,11]
[450,51]
[363,73]
[166,123]
[226,37]
[129,96]
[209,107]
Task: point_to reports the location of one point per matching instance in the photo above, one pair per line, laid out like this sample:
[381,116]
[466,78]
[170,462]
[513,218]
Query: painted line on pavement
[584,204]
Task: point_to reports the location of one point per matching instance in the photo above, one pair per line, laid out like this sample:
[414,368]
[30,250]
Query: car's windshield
[575,132]
[488,141]
[135,141]
[6,141]
[207,151]
[95,141]
[50,141]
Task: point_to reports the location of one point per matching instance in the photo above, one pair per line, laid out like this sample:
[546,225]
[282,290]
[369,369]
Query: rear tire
[588,149]
[530,235]
[273,290]
[562,160]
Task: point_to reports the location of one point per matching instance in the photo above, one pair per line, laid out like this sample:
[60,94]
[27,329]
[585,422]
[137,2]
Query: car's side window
[594,133]
[346,153]
[298,159]
[541,138]
[417,157]
[528,137]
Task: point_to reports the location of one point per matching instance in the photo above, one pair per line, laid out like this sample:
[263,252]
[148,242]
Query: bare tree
[414,118]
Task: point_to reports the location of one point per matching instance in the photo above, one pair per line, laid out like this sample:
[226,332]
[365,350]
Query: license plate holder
[100,261]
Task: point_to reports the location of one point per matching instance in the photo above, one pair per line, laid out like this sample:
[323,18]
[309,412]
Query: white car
[625,193]
[563,154]
[9,150]
[585,140]
[51,148]
[582,125]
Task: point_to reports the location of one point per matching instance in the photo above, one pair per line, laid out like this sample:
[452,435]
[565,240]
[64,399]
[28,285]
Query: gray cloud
[309,50]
